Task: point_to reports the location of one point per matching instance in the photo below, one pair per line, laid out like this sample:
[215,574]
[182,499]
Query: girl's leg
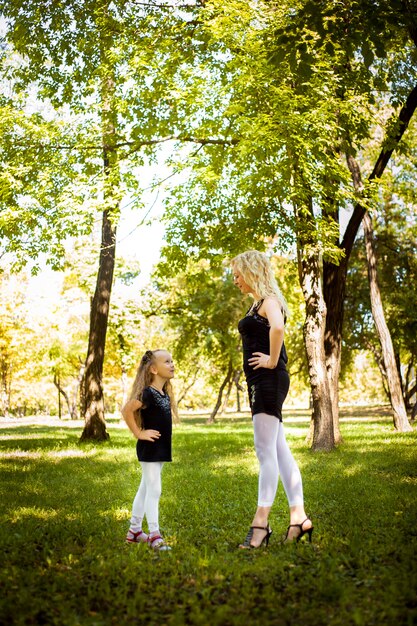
[152,475]
[135,533]
[138,507]
[265,437]
[293,485]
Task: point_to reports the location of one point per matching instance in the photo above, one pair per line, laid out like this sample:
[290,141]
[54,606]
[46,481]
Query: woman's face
[240,283]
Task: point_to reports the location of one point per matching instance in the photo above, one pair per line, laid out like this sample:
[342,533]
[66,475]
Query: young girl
[148,415]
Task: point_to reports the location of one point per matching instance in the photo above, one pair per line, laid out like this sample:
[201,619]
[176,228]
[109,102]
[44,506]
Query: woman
[264,363]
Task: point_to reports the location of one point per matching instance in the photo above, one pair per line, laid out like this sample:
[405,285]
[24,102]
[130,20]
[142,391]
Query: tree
[301,89]
[13,325]
[90,57]
[394,233]
[390,366]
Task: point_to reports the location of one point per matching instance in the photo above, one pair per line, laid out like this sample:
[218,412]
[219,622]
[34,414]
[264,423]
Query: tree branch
[136,145]
[359,211]
[152,5]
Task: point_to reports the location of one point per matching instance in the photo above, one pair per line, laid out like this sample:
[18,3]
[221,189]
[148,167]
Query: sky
[135,240]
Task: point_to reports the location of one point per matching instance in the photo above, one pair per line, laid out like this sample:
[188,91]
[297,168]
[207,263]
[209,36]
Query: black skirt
[268,394]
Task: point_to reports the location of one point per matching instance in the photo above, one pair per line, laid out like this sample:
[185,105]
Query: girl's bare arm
[128,413]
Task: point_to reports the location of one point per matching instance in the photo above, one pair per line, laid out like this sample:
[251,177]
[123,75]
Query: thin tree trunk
[334,276]
[95,425]
[380,363]
[334,286]
[226,380]
[187,387]
[393,380]
[124,385]
[409,394]
[75,392]
[5,387]
[227,394]
[236,379]
[238,406]
[81,388]
[61,390]
[410,384]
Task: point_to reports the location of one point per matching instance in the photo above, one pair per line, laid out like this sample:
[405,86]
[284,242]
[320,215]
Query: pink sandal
[157,543]
[136,537]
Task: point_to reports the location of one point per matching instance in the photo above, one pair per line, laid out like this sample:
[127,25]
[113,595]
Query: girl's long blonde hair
[256,270]
[143,379]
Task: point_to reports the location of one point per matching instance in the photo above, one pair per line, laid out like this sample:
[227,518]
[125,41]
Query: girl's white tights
[275,459]
[146,501]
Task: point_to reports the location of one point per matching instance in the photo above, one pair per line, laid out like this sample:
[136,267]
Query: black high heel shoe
[307,531]
[247,542]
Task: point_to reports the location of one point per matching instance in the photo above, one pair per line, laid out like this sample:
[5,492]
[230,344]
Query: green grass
[65,510]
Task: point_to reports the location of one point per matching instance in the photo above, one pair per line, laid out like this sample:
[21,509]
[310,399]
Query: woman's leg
[152,476]
[265,437]
[288,470]
[292,482]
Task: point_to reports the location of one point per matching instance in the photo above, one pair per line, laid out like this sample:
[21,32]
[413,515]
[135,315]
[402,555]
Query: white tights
[146,501]
[275,459]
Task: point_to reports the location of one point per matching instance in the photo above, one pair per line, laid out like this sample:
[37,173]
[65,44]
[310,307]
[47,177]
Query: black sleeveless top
[267,388]
[156,414]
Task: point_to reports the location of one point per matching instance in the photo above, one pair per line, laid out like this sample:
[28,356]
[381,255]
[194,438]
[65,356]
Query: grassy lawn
[65,511]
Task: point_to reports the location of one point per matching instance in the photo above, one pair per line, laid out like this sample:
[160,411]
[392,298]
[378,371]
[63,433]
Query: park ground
[65,511]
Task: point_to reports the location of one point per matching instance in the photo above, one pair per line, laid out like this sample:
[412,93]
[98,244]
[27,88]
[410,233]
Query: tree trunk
[393,380]
[314,329]
[409,394]
[124,386]
[228,376]
[81,388]
[227,394]
[410,384]
[236,380]
[377,354]
[5,369]
[61,390]
[95,425]
[189,385]
[334,288]
[334,276]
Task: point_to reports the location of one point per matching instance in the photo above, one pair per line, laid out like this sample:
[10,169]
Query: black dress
[156,414]
[267,388]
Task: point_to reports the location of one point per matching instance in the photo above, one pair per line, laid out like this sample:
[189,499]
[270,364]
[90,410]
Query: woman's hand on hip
[259,359]
[149,435]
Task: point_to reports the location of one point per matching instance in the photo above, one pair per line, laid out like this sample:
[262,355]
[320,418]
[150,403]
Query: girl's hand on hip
[259,359]
[149,435]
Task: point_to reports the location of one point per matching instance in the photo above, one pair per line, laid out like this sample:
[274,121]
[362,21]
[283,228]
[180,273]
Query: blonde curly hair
[256,270]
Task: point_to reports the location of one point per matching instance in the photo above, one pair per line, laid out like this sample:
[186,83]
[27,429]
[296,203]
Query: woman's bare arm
[272,311]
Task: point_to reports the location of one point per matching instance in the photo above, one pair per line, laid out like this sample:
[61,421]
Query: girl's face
[163,364]
[240,283]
